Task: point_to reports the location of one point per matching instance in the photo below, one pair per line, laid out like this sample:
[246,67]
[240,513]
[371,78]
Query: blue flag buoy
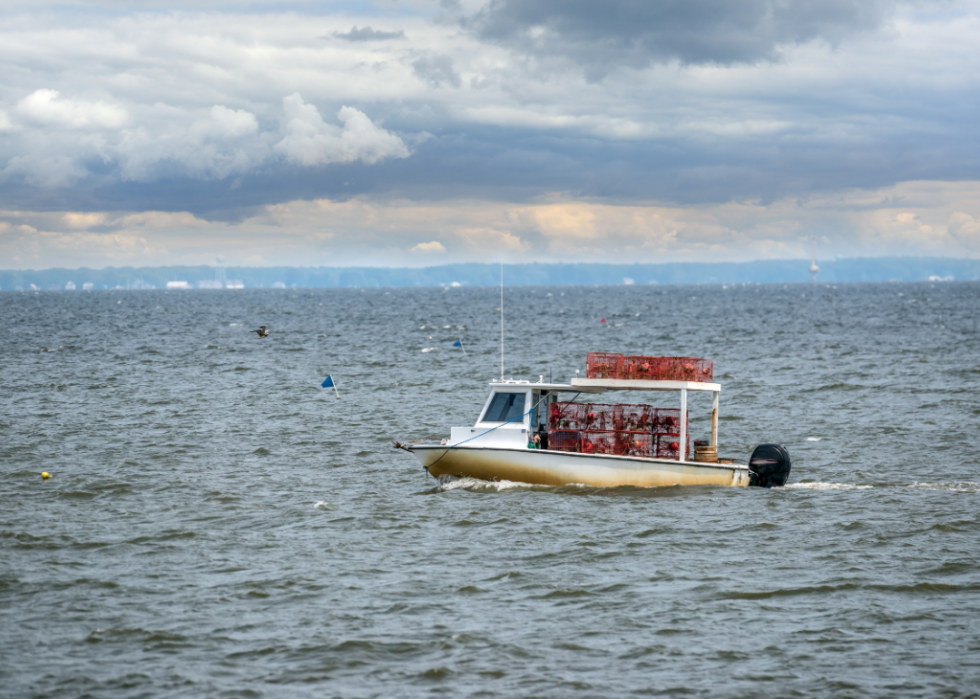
[328,383]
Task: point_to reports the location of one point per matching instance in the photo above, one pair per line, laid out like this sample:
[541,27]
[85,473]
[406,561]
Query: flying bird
[262,332]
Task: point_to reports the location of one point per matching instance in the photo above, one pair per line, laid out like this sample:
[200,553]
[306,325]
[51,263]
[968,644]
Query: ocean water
[217,525]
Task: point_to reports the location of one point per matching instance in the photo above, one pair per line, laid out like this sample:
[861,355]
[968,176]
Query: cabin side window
[505,407]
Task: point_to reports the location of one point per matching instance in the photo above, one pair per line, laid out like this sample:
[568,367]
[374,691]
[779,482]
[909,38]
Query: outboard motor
[769,466]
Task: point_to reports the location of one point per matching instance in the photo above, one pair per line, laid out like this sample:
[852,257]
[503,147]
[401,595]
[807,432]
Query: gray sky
[417,133]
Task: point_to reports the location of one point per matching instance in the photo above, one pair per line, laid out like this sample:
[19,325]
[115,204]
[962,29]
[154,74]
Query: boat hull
[543,467]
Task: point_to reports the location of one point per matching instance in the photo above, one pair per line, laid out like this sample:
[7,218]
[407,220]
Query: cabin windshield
[505,407]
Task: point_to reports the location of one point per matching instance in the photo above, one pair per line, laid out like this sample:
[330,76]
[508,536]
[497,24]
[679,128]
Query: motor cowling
[769,466]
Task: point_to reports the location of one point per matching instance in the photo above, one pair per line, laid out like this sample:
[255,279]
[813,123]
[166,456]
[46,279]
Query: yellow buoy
[45,475]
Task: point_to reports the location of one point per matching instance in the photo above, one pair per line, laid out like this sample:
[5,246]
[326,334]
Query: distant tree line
[478,274]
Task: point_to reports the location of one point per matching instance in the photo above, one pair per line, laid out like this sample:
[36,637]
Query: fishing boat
[527,433]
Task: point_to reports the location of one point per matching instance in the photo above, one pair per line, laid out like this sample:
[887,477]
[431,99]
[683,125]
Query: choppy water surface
[217,525]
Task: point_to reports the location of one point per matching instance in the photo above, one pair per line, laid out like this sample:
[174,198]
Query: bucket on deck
[705,452]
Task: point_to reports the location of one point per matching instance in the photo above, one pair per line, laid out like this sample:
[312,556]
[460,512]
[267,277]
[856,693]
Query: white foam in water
[450,483]
[428,349]
[466,483]
[813,439]
[322,505]
[826,486]
[953,487]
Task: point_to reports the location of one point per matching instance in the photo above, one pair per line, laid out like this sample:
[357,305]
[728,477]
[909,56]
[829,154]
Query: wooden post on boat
[714,420]
[683,455]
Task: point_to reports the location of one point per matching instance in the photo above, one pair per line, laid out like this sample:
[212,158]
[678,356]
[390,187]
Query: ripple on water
[216,527]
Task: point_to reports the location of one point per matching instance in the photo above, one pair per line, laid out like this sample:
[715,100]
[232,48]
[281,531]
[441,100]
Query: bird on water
[262,332]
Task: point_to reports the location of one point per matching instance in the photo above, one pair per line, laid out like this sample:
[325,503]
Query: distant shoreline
[871,269]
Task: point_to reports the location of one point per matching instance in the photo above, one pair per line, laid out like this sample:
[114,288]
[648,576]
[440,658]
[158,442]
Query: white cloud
[666,161]
[161,220]
[931,220]
[44,171]
[492,241]
[436,71]
[46,107]
[966,229]
[225,123]
[83,221]
[567,221]
[222,143]
[433,246]
[308,140]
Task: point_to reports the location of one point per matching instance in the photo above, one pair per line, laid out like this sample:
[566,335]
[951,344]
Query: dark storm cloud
[520,165]
[600,35]
[369,34]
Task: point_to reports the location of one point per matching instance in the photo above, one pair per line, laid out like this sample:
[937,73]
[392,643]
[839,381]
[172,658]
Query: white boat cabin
[514,412]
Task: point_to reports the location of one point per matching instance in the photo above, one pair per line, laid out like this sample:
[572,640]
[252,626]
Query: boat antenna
[501,320]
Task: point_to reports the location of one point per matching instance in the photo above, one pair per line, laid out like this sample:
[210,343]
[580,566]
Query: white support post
[501,320]
[683,453]
[714,420]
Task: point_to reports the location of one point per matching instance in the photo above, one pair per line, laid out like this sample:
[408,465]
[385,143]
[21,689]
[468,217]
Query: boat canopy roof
[517,384]
[603,385]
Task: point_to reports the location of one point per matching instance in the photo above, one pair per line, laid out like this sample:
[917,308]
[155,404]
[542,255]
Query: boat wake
[826,486]
[475,485]
[951,487]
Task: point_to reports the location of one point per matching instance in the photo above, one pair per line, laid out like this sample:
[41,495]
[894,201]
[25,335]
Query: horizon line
[508,264]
